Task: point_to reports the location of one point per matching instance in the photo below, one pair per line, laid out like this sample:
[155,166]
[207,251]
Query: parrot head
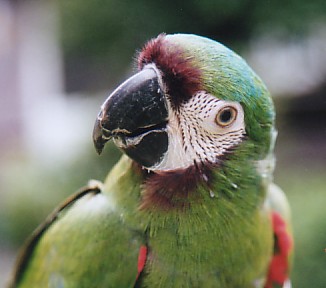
[192,103]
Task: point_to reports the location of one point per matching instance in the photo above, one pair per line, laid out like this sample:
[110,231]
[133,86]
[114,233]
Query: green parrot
[192,202]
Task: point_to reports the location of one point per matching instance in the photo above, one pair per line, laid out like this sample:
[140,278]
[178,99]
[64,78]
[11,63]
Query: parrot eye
[226,116]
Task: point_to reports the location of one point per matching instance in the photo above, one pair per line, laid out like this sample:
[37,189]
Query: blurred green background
[59,59]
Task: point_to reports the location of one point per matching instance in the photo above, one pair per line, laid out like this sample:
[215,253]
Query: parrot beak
[135,116]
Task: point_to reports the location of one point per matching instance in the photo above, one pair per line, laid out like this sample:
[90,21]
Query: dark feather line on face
[230,132]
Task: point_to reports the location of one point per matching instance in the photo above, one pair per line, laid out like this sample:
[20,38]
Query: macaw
[192,202]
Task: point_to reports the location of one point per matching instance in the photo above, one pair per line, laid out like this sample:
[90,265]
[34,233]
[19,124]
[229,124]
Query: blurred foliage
[305,188]
[99,37]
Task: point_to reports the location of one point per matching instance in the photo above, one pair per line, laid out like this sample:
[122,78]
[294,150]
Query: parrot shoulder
[277,202]
[84,241]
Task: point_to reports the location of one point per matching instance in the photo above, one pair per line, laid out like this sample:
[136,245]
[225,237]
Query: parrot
[192,201]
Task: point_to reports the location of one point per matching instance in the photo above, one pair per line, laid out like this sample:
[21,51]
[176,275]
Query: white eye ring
[226,116]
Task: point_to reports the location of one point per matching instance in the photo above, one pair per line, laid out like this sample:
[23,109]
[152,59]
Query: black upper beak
[135,115]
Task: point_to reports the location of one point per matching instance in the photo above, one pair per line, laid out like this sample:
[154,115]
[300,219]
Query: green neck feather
[214,237]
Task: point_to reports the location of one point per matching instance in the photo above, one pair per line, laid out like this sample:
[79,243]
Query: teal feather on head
[227,76]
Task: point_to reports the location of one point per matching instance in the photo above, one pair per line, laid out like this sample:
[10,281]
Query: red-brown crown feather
[181,77]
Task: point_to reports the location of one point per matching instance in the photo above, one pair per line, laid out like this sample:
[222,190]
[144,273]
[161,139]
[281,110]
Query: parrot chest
[194,251]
